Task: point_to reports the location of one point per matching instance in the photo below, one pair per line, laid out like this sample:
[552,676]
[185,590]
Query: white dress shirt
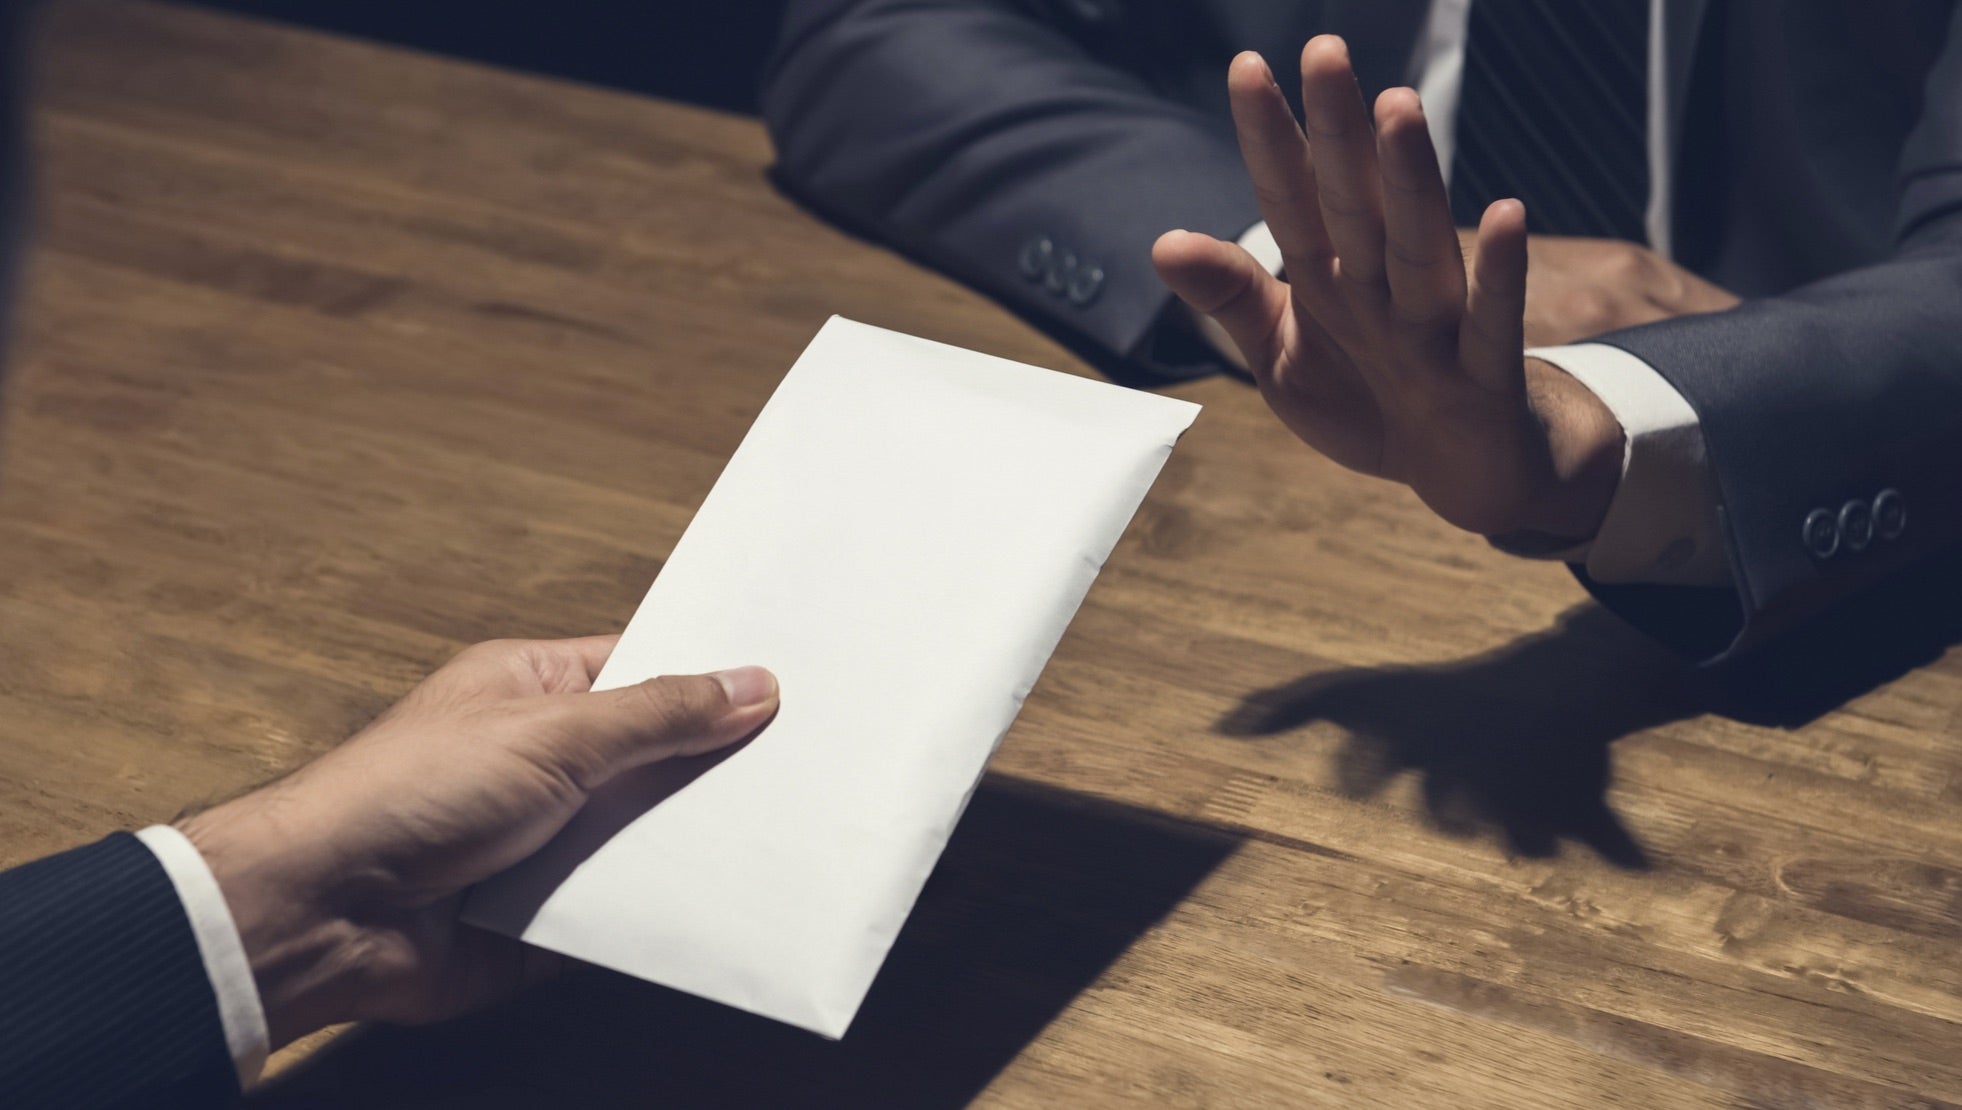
[1662,524]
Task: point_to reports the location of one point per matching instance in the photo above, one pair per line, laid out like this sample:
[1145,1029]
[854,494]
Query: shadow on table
[1514,742]
[1040,890]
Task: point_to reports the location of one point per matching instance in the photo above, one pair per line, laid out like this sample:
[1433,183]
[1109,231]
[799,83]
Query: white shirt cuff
[239,1009]
[1259,242]
[1662,525]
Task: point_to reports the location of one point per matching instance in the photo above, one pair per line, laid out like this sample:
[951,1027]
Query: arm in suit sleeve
[986,141]
[1821,400]
[104,998]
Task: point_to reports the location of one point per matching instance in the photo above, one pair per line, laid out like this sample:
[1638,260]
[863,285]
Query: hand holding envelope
[902,538]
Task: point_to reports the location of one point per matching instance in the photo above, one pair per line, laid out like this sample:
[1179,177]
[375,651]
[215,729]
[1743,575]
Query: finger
[590,652]
[1277,160]
[1492,339]
[1222,280]
[599,735]
[1421,258]
[1345,159]
[565,666]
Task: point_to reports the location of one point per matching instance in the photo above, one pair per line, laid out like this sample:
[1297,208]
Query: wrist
[1585,445]
[297,946]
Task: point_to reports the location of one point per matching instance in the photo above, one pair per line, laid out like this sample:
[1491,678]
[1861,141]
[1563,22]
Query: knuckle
[1328,126]
[1279,198]
[1484,331]
[1346,204]
[1242,284]
[1317,263]
[1628,262]
[1592,306]
[491,649]
[1412,185]
[1360,277]
[1418,257]
[1420,314]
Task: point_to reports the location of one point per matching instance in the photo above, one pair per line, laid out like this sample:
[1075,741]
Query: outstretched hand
[1380,350]
[346,878]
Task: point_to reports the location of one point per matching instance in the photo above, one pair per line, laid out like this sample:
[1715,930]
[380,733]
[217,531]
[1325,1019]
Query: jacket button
[1856,525]
[1889,514]
[1059,271]
[1036,257]
[1084,285]
[1821,534]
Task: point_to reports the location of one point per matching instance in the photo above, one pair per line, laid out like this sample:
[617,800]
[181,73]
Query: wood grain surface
[336,358]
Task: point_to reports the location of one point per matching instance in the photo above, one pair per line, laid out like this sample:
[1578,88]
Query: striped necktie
[1554,111]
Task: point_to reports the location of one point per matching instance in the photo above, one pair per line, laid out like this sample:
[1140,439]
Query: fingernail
[747,686]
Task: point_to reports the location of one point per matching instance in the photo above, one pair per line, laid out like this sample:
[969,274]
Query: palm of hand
[1381,351]
[1405,412]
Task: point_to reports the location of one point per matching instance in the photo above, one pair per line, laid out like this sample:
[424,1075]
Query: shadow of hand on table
[1515,741]
[1039,892]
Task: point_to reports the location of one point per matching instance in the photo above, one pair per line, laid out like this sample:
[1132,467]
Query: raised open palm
[1380,350]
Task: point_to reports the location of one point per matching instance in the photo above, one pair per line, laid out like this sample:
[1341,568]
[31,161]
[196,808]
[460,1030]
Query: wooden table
[337,358]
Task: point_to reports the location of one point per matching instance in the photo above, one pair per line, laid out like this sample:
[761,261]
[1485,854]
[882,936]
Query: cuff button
[1056,277]
[1085,284]
[1889,514]
[1034,259]
[1821,534]
[1856,525]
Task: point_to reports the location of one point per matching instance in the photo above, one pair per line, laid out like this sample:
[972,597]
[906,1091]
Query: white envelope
[902,537]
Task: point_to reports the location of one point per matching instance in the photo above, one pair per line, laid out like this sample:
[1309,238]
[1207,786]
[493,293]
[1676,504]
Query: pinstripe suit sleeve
[104,1000]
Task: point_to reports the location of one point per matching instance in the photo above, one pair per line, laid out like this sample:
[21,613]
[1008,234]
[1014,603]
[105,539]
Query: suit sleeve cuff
[239,1009]
[1662,526]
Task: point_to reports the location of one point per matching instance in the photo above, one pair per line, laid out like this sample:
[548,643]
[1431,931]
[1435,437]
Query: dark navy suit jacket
[104,1001]
[1818,147]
